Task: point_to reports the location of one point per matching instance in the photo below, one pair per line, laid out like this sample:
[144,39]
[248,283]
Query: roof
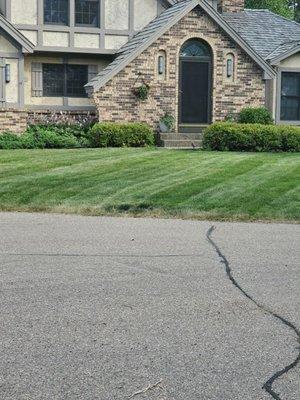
[283,51]
[265,31]
[27,46]
[158,27]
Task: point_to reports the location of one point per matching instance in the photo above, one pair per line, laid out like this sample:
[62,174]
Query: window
[76,78]
[290,96]
[64,80]
[53,80]
[87,12]
[195,48]
[56,12]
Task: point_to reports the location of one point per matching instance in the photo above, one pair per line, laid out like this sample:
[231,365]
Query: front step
[182,144]
[180,140]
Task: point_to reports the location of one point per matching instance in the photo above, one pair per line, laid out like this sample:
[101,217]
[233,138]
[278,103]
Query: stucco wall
[291,62]
[87,40]
[57,101]
[12,92]
[116,102]
[24,12]
[56,39]
[144,12]
[117,14]
[6,46]
[11,89]
[115,41]
[30,34]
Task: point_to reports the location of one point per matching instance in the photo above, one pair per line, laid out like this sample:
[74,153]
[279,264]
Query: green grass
[153,182]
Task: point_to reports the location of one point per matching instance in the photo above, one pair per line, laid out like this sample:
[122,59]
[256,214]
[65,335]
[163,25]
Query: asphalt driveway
[111,308]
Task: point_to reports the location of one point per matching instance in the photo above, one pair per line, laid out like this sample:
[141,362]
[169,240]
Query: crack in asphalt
[268,386]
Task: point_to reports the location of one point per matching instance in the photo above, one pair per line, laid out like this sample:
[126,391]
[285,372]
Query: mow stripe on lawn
[153,182]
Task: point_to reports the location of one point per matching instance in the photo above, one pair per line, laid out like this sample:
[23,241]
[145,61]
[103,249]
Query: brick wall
[63,117]
[13,121]
[116,102]
[17,120]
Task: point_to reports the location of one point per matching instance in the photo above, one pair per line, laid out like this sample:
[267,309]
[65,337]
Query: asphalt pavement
[99,308]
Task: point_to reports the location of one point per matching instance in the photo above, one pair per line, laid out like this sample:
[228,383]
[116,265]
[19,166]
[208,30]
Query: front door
[195,77]
[194,92]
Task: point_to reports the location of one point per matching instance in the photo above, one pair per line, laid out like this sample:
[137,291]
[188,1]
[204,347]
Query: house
[202,61]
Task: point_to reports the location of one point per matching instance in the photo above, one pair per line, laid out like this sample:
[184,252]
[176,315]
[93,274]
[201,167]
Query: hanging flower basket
[142,91]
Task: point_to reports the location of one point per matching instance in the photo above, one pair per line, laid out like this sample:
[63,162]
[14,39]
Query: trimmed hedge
[255,115]
[224,136]
[121,135]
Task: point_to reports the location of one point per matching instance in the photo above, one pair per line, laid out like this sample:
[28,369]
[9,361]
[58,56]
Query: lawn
[152,182]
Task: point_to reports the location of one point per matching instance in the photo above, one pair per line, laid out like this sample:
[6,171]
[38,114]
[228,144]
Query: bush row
[251,137]
[75,136]
[121,135]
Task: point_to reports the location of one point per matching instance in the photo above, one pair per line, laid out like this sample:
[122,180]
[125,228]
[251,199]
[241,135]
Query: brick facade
[61,117]
[13,121]
[231,5]
[116,101]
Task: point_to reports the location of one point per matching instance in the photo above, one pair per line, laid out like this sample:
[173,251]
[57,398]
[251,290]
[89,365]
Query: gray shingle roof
[263,30]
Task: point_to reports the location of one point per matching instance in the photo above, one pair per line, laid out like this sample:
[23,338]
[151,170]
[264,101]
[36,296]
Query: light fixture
[7,73]
[161,65]
[229,68]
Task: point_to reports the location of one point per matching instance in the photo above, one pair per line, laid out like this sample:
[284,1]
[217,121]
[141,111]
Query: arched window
[162,64]
[195,48]
[230,67]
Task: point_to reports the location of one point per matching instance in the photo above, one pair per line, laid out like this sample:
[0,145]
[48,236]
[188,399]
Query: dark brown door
[194,91]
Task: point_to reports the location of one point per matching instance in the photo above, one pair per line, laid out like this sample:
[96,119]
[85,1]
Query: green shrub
[48,140]
[42,138]
[79,131]
[255,115]
[121,135]
[10,141]
[225,136]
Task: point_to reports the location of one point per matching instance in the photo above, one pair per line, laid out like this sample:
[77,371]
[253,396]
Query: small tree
[285,8]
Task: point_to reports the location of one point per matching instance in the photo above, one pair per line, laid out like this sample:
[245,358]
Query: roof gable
[284,51]
[142,40]
[26,45]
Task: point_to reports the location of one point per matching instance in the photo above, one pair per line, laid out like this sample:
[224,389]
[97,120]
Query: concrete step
[183,144]
[180,136]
